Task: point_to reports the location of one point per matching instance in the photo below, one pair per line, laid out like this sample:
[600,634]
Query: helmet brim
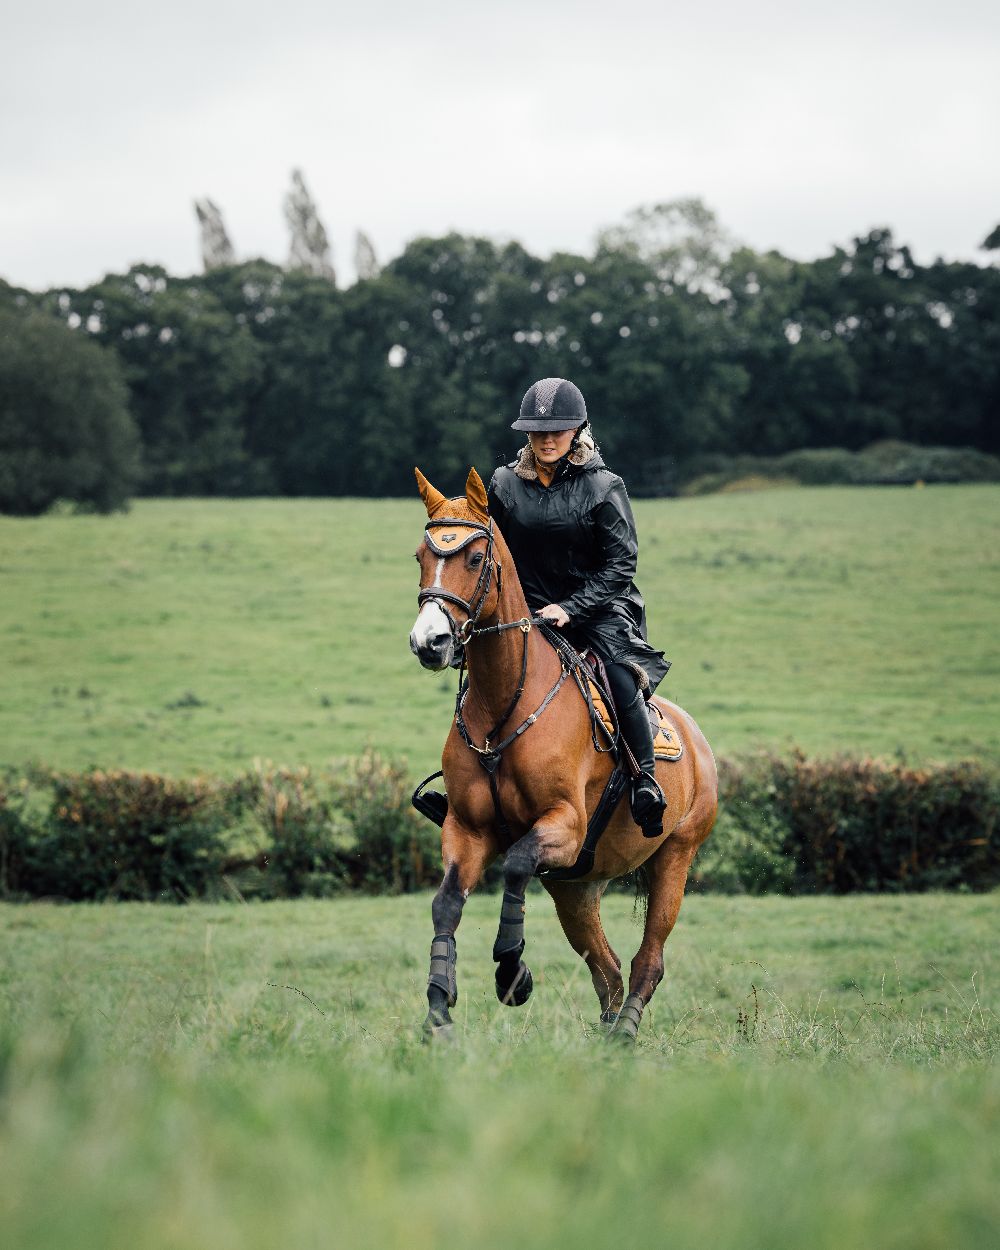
[541,425]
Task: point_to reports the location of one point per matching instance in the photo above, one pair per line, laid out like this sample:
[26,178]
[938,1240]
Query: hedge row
[269,832]
[886,463]
[799,825]
[786,824]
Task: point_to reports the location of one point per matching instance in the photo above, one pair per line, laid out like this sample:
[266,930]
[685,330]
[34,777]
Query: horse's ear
[433,499]
[475,494]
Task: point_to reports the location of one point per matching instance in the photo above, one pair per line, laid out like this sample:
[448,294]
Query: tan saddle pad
[667,744]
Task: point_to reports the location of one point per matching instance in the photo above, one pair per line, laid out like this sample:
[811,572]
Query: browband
[445,536]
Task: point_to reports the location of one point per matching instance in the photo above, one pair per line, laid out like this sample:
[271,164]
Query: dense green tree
[254,378]
[65,429]
[963,371]
[192,371]
[294,415]
[802,382]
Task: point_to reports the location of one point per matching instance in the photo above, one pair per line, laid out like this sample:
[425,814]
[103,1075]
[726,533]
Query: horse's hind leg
[668,870]
[578,906]
[465,856]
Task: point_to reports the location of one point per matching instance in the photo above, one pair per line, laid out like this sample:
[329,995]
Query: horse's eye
[476,560]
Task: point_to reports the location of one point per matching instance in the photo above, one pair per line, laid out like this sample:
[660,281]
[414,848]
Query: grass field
[195,635]
[813,1073]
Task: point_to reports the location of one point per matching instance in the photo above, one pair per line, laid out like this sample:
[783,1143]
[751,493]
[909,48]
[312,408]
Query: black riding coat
[574,543]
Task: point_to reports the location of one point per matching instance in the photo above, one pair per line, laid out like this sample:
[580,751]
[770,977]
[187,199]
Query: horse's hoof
[623,1038]
[517,993]
[438,1031]
[443,1035]
[608,1019]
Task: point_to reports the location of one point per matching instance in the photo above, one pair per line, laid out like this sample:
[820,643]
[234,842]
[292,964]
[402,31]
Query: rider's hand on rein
[553,613]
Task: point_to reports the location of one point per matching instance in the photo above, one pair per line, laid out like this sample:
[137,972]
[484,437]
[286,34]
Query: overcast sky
[801,124]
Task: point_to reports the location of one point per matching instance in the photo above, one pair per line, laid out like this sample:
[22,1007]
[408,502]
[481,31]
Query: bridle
[473,606]
[443,543]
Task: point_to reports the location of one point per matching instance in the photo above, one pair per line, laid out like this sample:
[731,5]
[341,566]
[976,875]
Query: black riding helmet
[551,404]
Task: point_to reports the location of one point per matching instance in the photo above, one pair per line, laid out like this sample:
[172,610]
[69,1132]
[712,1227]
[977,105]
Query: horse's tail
[640,880]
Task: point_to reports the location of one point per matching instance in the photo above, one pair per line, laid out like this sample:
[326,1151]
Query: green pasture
[195,635]
[813,1072]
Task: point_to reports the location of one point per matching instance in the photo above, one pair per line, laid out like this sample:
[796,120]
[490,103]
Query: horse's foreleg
[578,906]
[465,857]
[668,870]
[550,843]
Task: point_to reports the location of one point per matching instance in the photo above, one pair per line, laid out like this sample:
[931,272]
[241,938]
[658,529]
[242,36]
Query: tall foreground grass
[812,1073]
[195,635]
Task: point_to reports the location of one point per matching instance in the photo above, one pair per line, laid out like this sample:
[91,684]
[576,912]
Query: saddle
[667,744]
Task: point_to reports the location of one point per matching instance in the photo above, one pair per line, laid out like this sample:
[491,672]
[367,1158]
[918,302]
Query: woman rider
[569,526]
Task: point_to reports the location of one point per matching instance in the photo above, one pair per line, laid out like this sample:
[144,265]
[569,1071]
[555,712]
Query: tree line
[252,378]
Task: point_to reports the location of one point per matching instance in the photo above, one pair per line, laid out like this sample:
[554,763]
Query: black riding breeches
[633,715]
[623,683]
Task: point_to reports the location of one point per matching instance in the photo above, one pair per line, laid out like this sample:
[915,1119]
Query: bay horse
[522,774]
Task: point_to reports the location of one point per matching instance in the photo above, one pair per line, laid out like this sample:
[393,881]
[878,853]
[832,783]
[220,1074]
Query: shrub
[893,463]
[787,824]
[826,466]
[126,835]
[855,824]
[745,853]
[887,463]
[394,850]
[304,840]
[349,827]
[13,837]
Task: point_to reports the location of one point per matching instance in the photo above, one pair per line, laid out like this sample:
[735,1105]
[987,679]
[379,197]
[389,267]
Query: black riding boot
[648,802]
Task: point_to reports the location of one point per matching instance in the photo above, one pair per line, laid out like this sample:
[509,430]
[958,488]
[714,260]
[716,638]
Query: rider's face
[550,446]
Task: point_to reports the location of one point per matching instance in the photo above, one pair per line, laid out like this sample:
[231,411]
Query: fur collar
[586,450]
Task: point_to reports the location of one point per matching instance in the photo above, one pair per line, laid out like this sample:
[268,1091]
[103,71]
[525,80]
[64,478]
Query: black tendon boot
[648,802]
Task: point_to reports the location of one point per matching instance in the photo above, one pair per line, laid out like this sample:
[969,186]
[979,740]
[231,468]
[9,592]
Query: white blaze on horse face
[431,624]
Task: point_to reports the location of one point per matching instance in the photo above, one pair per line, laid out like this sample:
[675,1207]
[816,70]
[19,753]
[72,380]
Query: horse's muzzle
[433,653]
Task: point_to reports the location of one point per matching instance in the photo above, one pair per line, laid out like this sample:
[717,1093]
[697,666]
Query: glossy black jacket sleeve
[494,506]
[616,546]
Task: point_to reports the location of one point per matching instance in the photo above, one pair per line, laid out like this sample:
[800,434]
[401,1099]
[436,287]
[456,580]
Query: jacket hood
[585,457]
